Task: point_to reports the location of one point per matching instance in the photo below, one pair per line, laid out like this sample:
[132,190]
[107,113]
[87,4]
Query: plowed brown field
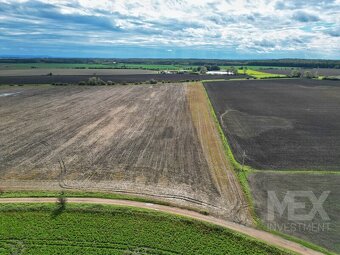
[134,139]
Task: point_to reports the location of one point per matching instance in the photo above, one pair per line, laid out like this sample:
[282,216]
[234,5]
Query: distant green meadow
[116,65]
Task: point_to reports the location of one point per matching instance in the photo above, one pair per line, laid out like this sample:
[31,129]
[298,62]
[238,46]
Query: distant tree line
[96,81]
[204,69]
[213,63]
[307,74]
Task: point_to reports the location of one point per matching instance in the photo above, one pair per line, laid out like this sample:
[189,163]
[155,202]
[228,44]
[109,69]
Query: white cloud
[243,25]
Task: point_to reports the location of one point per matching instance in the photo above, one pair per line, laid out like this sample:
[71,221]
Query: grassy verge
[214,80]
[294,239]
[19,194]
[241,171]
[331,78]
[300,171]
[11,86]
[300,241]
[85,194]
[230,155]
[93,229]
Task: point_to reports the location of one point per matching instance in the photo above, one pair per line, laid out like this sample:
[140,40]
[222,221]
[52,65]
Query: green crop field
[256,67]
[260,75]
[88,229]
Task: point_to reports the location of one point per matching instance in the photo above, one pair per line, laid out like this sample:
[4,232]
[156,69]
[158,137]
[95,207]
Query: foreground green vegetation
[87,229]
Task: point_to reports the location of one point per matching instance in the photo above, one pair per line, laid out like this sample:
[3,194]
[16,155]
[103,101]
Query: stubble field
[134,139]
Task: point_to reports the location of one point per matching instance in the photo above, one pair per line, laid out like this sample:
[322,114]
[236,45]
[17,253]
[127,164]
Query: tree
[213,68]
[234,70]
[295,73]
[95,81]
[194,69]
[61,200]
[153,81]
[203,70]
[308,75]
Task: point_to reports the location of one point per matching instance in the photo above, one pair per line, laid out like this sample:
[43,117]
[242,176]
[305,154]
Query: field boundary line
[220,168]
[240,171]
[308,172]
[250,79]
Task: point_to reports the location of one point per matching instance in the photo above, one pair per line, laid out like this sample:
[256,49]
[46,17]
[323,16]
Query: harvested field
[133,78]
[134,139]
[319,71]
[281,124]
[318,230]
[68,71]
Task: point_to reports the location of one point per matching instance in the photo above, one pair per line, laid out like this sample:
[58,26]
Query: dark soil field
[319,71]
[132,78]
[325,233]
[69,71]
[138,139]
[281,124]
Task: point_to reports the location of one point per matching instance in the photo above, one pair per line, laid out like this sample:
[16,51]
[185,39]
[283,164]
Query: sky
[215,29]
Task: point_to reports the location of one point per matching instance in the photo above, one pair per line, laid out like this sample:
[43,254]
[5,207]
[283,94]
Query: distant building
[220,73]
[173,71]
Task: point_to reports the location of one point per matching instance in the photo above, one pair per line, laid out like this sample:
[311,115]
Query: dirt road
[258,234]
[221,169]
